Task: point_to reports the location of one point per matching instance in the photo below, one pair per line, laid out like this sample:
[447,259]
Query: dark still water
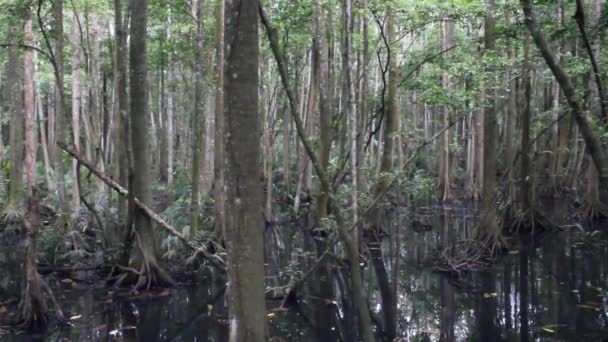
[555,290]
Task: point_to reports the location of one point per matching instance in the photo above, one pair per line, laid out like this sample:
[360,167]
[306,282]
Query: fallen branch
[142,206]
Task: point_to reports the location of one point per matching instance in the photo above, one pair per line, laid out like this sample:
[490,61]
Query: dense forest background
[145,138]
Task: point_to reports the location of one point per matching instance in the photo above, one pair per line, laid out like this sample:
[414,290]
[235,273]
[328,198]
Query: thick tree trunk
[489,225]
[144,256]
[32,305]
[244,227]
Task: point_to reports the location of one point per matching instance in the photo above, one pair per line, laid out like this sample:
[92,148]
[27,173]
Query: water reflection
[552,291]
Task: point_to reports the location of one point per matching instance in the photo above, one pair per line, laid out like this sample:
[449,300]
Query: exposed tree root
[464,256]
[33,310]
[529,222]
[593,211]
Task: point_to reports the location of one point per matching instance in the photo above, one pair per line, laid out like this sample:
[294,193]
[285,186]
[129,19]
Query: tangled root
[465,256]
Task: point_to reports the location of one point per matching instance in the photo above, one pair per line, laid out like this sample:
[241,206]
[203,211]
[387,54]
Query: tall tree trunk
[244,225]
[32,305]
[59,128]
[76,43]
[445,174]
[122,140]
[198,118]
[489,225]
[325,315]
[350,108]
[15,195]
[219,194]
[524,179]
[375,231]
[144,256]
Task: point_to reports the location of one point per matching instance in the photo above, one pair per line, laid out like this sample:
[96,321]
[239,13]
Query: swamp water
[562,280]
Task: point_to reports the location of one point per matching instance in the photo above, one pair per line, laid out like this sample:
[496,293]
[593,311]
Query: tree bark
[76,43]
[489,225]
[15,195]
[244,227]
[122,130]
[219,194]
[144,256]
[59,108]
[198,119]
[32,306]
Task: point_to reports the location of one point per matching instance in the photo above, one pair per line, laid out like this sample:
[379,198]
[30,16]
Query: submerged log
[214,259]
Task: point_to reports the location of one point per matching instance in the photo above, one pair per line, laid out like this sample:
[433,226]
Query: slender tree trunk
[445,178]
[325,315]
[244,224]
[375,231]
[351,110]
[29,107]
[59,108]
[359,293]
[76,43]
[122,140]
[198,119]
[524,179]
[43,139]
[219,193]
[15,194]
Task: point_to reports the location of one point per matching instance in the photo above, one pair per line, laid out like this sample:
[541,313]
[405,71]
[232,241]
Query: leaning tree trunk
[145,253]
[244,228]
[594,147]
[359,292]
